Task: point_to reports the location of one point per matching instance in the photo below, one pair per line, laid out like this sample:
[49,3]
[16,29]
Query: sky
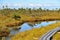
[48,4]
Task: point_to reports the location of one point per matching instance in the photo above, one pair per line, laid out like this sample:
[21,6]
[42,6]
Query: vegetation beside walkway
[35,33]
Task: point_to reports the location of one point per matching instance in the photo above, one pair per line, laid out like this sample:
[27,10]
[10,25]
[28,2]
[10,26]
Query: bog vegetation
[15,17]
[36,33]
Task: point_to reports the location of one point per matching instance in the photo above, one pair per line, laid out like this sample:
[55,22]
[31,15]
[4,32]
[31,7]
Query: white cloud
[16,4]
[47,5]
[8,4]
[38,4]
[30,4]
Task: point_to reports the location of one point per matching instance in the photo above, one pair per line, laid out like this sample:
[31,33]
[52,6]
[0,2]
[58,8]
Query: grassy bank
[36,33]
[14,17]
[56,36]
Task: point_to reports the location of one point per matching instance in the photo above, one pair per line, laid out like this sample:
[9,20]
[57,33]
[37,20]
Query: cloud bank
[30,4]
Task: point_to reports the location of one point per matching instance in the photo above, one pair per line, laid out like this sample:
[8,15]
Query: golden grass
[34,34]
[35,16]
[25,18]
[29,16]
[56,36]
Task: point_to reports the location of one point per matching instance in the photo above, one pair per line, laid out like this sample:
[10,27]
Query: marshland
[27,23]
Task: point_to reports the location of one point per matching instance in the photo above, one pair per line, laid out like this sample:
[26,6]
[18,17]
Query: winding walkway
[49,34]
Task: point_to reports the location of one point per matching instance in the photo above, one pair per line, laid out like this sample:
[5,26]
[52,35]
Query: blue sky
[49,4]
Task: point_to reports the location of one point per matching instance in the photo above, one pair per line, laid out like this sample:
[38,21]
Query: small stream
[26,26]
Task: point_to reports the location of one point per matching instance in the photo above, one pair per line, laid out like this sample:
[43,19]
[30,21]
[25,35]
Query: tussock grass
[36,33]
[56,36]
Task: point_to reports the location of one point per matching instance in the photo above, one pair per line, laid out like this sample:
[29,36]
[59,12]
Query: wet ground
[26,26]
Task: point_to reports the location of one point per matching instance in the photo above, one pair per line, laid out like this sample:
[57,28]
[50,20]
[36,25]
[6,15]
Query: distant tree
[40,9]
[56,9]
[59,10]
[20,8]
[6,6]
[3,7]
[47,9]
[30,10]
[5,11]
